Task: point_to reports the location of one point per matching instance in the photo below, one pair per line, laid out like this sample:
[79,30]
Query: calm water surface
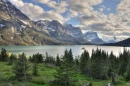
[59,49]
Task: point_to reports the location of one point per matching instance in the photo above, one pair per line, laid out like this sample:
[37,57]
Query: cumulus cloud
[102,7]
[35,12]
[31,10]
[52,15]
[112,24]
[90,19]
[123,7]
[58,7]
[83,7]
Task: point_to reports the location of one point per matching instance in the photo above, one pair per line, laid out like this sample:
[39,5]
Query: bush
[90,84]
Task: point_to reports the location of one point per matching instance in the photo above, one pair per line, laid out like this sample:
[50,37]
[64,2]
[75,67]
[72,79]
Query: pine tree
[47,60]
[127,76]
[113,62]
[124,58]
[35,69]
[3,55]
[95,70]
[99,64]
[65,75]
[84,62]
[36,58]
[20,68]
[12,59]
[70,57]
[58,62]
[76,62]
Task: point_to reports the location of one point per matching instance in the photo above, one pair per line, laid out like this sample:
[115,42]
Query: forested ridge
[97,69]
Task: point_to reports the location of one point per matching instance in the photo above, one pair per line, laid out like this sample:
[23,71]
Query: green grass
[46,73]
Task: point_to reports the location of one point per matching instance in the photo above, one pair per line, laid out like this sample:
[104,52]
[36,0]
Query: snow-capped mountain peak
[94,37]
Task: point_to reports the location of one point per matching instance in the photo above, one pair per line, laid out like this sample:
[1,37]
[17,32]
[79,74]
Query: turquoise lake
[59,49]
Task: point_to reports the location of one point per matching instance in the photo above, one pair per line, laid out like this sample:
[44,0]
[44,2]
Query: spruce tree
[65,75]
[124,58]
[99,64]
[36,58]
[12,59]
[127,74]
[113,62]
[58,62]
[76,62]
[20,68]
[35,69]
[3,55]
[84,62]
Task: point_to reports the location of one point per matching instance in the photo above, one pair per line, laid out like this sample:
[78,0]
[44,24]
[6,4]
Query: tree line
[98,65]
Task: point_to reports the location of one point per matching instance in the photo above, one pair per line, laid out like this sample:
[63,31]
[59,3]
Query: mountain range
[124,43]
[18,29]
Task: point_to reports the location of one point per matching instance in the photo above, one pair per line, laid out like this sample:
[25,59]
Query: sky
[108,17]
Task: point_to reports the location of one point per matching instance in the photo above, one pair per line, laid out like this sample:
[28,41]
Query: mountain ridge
[124,43]
[18,29]
[93,37]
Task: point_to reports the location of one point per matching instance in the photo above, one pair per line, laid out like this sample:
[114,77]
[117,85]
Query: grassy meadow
[46,75]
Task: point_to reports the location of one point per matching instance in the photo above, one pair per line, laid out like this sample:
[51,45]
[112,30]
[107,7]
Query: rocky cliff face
[65,33]
[17,29]
[93,37]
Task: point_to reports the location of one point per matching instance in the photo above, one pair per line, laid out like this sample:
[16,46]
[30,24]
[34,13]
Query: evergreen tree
[20,68]
[84,62]
[127,74]
[50,59]
[3,55]
[58,62]
[76,62]
[35,69]
[95,70]
[70,57]
[12,59]
[65,75]
[47,58]
[36,58]
[113,62]
[99,64]
[124,58]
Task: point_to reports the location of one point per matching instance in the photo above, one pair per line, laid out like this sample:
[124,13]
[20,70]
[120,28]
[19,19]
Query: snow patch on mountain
[110,39]
[2,25]
[94,37]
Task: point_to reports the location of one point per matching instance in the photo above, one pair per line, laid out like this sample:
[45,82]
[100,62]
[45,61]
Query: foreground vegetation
[97,70]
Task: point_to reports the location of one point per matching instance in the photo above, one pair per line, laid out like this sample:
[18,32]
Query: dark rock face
[124,43]
[17,29]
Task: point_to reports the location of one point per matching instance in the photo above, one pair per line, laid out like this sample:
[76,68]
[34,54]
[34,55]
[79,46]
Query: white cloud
[108,9]
[35,12]
[112,24]
[102,7]
[123,7]
[31,10]
[58,7]
[83,7]
[90,19]
[52,15]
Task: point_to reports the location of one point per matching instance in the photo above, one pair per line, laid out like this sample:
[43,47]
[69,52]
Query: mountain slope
[17,29]
[65,33]
[125,43]
[93,37]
